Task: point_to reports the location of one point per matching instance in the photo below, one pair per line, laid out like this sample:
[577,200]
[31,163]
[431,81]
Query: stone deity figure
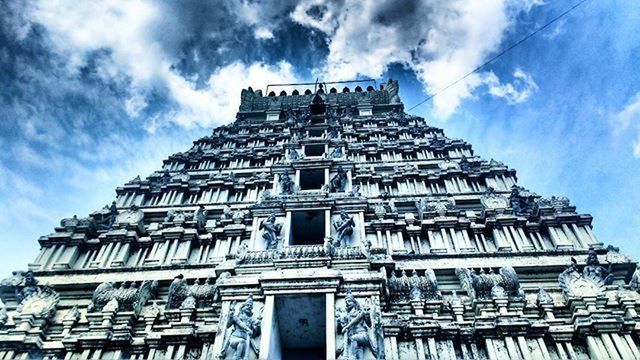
[245,328]
[595,270]
[286,183]
[271,231]
[336,152]
[344,227]
[354,322]
[339,180]
[421,205]
[113,213]
[293,154]
[200,217]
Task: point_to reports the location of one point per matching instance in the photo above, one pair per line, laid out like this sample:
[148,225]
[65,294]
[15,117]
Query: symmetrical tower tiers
[327,224]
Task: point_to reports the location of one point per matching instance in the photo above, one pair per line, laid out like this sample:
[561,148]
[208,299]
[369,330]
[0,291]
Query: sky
[93,93]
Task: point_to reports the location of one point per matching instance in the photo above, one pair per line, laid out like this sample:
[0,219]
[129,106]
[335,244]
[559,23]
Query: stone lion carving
[128,296]
[486,286]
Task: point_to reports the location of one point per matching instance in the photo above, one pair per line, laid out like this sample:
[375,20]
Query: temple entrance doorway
[301,326]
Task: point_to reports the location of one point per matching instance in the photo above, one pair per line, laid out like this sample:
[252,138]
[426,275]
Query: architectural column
[270,340]
[330,305]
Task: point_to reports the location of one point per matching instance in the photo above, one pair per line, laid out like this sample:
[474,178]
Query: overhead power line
[512,46]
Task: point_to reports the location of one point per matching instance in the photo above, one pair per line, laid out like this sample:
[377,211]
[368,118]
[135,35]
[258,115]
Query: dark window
[315,133]
[307,227]
[311,179]
[314,150]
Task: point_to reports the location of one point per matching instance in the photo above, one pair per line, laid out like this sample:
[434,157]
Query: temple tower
[325,224]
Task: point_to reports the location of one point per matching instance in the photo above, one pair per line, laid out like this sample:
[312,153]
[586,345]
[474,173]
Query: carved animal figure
[177,292]
[129,298]
[489,285]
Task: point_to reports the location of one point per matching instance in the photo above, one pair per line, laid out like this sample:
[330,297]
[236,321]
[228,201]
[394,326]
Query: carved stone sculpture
[594,269]
[338,181]
[354,322]
[634,283]
[486,286]
[344,227]
[200,217]
[393,89]
[590,282]
[493,200]
[415,287]
[271,231]
[294,154]
[286,183]
[33,299]
[204,295]
[127,296]
[336,152]
[3,314]
[177,292]
[245,328]
[522,201]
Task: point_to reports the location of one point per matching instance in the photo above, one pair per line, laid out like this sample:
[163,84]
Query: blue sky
[94,93]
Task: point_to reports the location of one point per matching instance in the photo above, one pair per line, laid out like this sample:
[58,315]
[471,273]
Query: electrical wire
[501,53]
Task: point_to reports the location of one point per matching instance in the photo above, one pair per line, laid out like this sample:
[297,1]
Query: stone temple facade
[326,224]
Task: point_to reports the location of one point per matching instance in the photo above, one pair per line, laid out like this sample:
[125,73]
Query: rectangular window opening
[314,150]
[312,179]
[307,227]
[315,133]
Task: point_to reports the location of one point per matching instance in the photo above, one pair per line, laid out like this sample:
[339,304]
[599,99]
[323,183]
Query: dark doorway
[302,326]
[307,227]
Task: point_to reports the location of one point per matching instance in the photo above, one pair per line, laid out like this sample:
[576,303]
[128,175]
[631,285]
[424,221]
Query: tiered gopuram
[325,224]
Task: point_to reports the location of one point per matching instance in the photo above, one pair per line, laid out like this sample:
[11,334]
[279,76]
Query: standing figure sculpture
[338,181]
[354,322]
[271,231]
[594,269]
[286,183]
[245,328]
[344,227]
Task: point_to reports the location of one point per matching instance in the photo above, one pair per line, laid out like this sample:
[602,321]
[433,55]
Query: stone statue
[393,89]
[594,269]
[177,292]
[465,165]
[336,152]
[206,294]
[245,328]
[33,299]
[543,297]
[344,227]
[486,286]
[354,322]
[590,282]
[294,154]
[286,183]
[128,296]
[200,217]
[421,205]
[227,213]
[634,283]
[271,231]
[338,181]
[3,313]
[113,214]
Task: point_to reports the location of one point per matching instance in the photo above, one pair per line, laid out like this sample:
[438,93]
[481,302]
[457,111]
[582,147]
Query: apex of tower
[386,94]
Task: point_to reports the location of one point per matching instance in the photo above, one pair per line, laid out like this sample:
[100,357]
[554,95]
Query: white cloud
[263,33]
[123,27]
[516,92]
[440,40]
[629,117]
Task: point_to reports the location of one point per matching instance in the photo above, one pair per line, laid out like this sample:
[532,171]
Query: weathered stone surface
[411,247]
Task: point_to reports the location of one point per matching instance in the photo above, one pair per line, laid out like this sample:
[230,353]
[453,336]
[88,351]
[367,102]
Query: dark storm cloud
[202,36]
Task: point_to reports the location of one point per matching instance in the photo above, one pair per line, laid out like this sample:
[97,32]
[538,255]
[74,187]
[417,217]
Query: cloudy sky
[93,93]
